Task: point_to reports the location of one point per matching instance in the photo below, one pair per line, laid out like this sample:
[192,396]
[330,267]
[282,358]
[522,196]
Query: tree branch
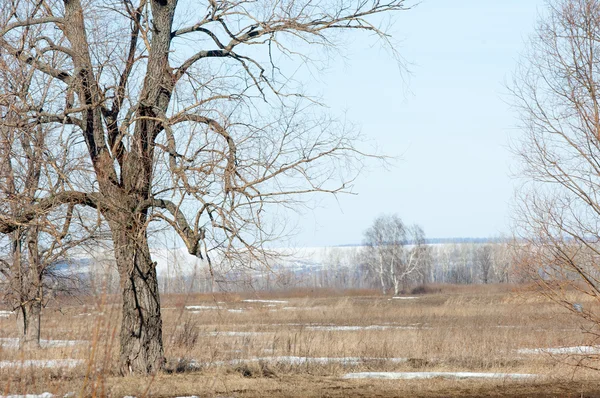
[11,223]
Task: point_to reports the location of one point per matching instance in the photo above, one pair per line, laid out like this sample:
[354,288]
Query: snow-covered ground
[196,309]
[13,342]
[180,262]
[357,328]
[430,375]
[41,363]
[201,307]
[581,350]
[266,301]
[296,360]
[238,334]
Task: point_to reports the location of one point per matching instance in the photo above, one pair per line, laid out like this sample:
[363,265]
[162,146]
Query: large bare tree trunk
[141,324]
[29,325]
[28,289]
[32,307]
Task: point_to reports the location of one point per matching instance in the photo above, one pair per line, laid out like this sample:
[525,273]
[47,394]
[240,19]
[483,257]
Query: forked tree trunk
[27,285]
[141,324]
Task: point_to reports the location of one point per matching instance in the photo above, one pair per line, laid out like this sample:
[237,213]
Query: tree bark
[383,284]
[27,292]
[141,324]
[29,325]
[395,280]
[31,305]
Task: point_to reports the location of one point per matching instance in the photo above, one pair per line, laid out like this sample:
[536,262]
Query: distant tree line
[355,267]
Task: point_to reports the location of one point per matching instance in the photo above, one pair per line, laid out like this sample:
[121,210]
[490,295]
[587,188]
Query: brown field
[232,348]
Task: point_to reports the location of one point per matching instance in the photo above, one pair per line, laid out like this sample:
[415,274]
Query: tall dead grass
[455,329]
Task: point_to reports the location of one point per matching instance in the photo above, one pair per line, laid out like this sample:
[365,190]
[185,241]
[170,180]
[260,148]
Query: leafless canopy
[191,116]
[36,160]
[394,252]
[557,95]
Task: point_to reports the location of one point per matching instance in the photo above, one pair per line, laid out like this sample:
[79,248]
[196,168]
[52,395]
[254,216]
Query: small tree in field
[393,252]
[484,261]
[35,160]
[188,119]
[556,90]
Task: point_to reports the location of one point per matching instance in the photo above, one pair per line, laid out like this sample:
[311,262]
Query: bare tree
[35,160]
[189,121]
[388,252]
[383,243]
[417,260]
[556,89]
[484,261]
[503,255]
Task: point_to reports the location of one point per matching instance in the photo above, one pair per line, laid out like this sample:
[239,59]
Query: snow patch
[42,395]
[41,363]
[404,298]
[562,350]
[235,310]
[430,375]
[5,314]
[201,307]
[242,334]
[266,301]
[296,360]
[13,342]
[61,343]
[89,314]
[356,328]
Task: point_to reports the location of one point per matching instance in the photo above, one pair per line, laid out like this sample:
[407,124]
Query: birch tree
[394,252]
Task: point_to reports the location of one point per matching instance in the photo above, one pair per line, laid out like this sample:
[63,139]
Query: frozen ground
[430,375]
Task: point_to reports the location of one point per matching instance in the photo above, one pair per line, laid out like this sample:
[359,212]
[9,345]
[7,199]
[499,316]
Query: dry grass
[229,346]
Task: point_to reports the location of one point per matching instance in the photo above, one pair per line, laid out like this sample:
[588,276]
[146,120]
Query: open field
[312,343]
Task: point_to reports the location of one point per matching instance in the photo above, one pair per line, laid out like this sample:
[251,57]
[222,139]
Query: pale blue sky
[448,121]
